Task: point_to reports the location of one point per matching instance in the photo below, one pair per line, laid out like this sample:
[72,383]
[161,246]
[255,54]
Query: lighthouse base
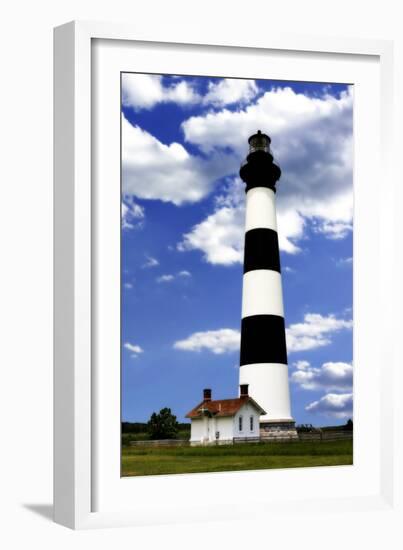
[278,430]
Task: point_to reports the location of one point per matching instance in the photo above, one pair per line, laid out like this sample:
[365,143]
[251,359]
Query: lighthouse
[263,357]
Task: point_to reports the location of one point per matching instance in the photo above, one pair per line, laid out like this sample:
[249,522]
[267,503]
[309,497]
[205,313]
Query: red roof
[222,407]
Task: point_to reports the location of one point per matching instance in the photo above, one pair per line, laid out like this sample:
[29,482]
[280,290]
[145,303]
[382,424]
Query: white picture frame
[84,495]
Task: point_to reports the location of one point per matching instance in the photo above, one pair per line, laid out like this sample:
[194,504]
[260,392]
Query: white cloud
[287,114]
[165,278]
[220,236]
[290,227]
[143,91]
[344,262]
[316,331]
[330,376]
[128,285]
[301,365]
[132,213]
[220,341]
[153,170]
[150,262]
[230,90]
[133,348]
[169,277]
[333,404]
[312,141]
[334,229]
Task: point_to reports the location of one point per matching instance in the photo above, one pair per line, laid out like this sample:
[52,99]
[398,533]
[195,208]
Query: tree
[163,425]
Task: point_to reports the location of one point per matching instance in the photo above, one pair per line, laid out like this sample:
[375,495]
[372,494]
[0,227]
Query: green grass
[141,461]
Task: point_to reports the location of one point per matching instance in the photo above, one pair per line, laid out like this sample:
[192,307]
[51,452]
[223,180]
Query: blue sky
[183,139]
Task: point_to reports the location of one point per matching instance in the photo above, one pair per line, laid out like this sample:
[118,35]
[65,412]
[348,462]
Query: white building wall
[246,412]
[225,426]
[203,430]
[197,429]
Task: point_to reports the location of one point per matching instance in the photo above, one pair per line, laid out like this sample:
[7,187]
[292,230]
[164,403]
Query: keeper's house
[225,421]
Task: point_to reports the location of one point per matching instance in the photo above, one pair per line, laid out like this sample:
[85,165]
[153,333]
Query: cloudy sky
[183,139]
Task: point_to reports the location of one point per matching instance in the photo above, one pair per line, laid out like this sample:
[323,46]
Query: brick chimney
[244,390]
[207,394]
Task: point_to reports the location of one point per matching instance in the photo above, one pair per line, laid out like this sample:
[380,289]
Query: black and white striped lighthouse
[263,361]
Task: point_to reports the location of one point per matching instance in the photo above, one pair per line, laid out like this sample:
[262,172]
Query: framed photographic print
[220,319]
[186,248]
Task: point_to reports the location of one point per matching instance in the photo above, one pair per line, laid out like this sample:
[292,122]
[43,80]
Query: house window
[240,423]
[251,423]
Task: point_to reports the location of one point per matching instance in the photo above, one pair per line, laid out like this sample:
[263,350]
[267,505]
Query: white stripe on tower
[263,346]
[262,293]
[260,209]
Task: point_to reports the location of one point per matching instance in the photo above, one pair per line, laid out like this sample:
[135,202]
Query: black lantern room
[259,170]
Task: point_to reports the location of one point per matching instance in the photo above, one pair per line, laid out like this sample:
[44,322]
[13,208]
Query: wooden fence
[326,435]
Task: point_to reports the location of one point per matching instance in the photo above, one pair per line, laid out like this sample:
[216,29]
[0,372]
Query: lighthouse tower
[263,361]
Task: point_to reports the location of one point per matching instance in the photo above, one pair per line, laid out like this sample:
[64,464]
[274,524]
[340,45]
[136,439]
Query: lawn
[144,436]
[141,461]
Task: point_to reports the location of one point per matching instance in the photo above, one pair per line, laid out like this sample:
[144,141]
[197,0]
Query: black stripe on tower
[261,250]
[263,340]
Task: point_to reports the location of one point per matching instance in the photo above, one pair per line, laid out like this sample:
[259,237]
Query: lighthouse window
[251,423]
[240,423]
